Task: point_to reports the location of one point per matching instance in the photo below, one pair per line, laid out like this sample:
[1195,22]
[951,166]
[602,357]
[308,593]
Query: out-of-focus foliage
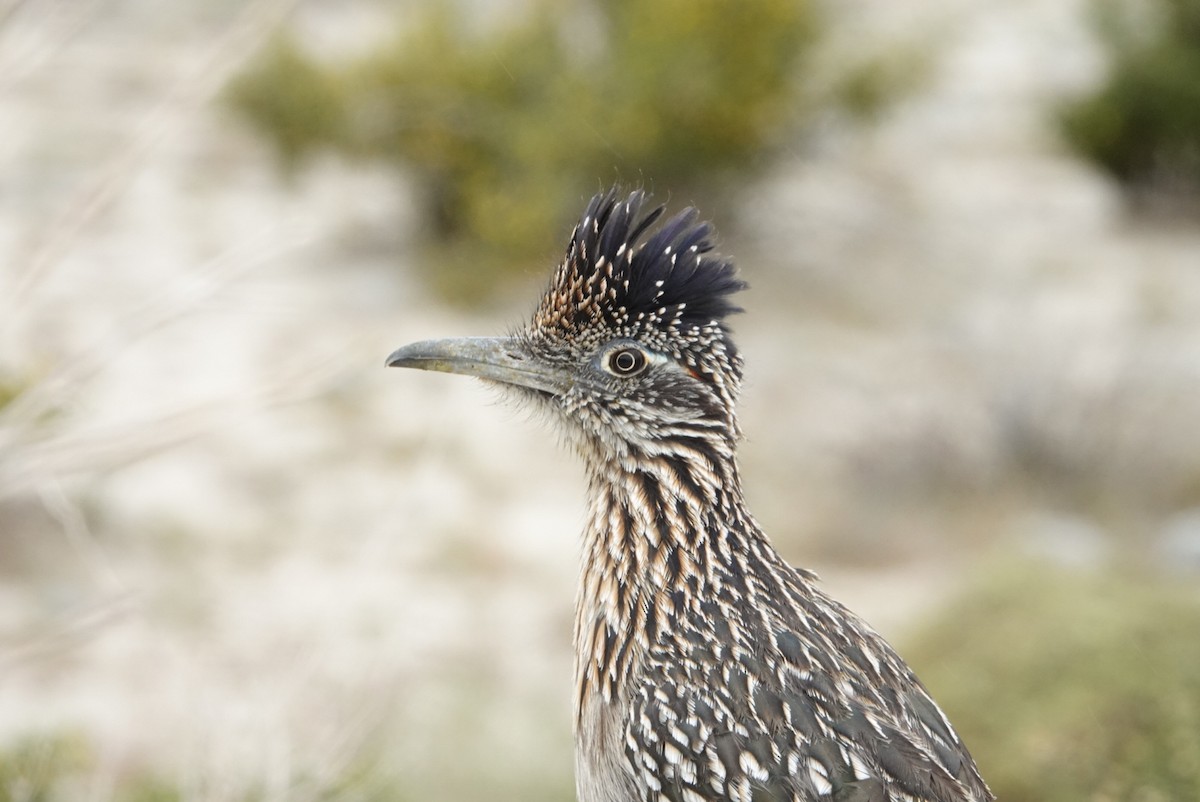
[57,768]
[37,768]
[1143,123]
[1072,688]
[292,98]
[61,767]
[867,86]
[9,390]
[508,129]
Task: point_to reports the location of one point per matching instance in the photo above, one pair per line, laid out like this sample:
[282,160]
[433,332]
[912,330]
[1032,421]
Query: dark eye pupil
[627,361]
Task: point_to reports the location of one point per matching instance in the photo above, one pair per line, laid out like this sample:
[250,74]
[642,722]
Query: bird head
[629,345]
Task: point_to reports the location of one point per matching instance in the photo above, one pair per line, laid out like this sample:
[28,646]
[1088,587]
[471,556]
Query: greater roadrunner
[706,667]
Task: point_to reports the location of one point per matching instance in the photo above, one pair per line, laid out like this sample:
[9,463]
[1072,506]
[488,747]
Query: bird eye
[626,362]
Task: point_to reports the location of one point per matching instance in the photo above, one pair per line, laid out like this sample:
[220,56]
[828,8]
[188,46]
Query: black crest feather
[671,281]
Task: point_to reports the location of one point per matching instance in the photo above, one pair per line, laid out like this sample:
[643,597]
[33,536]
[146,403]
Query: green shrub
[1143,123]
[506,131]
[291,97]
[1073,689]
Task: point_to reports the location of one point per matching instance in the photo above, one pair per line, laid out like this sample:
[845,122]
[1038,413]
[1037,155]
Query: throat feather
[647,533]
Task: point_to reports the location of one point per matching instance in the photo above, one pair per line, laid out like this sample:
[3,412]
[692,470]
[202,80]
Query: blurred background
[241,561]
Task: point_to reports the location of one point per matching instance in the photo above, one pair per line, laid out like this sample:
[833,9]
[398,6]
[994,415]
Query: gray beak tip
[407,356]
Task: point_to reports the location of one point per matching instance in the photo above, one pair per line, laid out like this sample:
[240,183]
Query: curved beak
[500,359]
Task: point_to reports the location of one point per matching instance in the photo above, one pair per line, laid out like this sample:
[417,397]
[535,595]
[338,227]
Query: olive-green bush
[1143,123]
[1073,688]
[507,130]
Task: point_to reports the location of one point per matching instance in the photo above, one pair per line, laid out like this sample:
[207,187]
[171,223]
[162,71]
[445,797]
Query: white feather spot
[871,658]
[860,768]
[749,764]
[819,777]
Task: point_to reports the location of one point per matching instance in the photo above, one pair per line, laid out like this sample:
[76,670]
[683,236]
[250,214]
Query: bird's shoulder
[789,698]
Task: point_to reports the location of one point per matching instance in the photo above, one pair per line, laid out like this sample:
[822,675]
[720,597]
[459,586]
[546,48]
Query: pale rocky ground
[237,551]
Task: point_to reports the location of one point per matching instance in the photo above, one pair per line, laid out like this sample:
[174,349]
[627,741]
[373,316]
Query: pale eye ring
[626,362]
